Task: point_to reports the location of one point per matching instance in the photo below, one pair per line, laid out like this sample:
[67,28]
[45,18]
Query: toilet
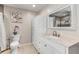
[15,44]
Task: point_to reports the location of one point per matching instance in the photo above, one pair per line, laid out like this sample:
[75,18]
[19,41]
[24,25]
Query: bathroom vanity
[55,45]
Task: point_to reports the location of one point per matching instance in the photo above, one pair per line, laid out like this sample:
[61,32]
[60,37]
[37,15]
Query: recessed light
[34,5]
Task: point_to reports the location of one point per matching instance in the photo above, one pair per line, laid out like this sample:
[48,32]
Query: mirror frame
[73,18]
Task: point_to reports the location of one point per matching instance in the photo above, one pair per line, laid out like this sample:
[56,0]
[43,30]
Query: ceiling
[29,7]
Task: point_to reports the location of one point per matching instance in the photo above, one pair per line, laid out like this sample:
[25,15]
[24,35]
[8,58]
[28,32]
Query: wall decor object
[16,16]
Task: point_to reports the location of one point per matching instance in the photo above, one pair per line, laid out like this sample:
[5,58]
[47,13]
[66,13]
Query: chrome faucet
[56,34]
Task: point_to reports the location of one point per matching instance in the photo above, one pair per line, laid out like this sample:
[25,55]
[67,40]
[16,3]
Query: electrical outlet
[0,50]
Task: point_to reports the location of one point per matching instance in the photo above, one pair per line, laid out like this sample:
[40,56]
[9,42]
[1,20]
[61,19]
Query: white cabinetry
[38,28]
[43,45]
[54,46]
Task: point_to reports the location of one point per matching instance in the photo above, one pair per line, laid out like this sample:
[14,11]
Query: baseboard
[4,50]
[25,44]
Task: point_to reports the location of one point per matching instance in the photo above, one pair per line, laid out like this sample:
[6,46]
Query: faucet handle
[54,33]
[58,35]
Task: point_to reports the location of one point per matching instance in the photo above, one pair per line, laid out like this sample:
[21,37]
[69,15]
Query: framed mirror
[63,18]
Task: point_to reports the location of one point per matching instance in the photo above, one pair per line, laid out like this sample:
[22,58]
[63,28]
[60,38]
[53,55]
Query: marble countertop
[66,41]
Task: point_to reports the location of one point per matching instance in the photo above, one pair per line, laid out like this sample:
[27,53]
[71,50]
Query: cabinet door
[41,46]
[57,47]
[45,48]
[51,47]
[36,44]
[48,49]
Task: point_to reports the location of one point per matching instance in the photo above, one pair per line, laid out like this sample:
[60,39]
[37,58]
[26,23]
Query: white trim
[25,44]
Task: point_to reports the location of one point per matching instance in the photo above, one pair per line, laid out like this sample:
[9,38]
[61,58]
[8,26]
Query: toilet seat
[14,45]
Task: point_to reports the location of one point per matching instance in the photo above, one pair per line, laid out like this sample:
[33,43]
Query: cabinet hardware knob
[45,45]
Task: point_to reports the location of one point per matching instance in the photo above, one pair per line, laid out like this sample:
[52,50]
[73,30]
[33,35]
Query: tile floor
[25,49]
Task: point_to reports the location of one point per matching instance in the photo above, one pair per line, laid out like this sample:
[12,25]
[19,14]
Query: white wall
[25,27]
[68,33]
